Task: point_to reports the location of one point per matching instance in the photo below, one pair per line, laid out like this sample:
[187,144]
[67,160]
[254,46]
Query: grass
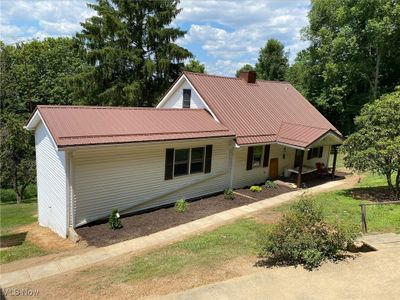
[13,216]
[202,251]
[341,206]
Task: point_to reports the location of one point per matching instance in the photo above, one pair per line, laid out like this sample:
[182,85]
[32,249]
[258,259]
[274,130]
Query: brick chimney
[248,76]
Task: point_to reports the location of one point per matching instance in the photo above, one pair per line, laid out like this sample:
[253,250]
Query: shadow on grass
[11,240]
[373,194]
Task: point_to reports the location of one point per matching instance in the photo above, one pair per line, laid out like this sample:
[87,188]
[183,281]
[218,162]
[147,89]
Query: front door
[273,168]
[298,157]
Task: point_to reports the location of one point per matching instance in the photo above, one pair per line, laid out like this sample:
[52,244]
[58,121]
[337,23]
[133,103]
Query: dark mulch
[99,234]
[266,192]
[374,194]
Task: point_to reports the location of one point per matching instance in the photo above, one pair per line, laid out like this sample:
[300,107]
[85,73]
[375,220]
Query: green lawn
[12,216]
[202,251]
[340,205]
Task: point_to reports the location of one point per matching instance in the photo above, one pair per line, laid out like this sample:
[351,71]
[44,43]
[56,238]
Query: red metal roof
[83,125]
[256,112]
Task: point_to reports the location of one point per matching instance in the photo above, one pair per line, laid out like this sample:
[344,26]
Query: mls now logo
[26,292]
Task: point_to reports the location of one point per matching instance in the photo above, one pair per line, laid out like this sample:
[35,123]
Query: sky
[223,35]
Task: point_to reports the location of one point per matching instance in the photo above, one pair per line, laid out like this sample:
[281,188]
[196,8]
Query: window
[315,152]
[187,93]
[197,160]
[257,156]
[181,166]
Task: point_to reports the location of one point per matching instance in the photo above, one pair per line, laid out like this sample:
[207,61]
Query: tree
[17,155]
[375,146]
[272,61]
[195,66]
[245,68]
[37,72]
[130,47]
[353,57]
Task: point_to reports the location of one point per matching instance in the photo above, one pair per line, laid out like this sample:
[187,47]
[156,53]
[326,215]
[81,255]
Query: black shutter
[321,150]
[169,164]
[309,153]
[207,168]
[250,152]
[266,155]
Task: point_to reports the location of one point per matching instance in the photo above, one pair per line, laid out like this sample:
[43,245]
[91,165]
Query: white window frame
[261,158]
[189,161]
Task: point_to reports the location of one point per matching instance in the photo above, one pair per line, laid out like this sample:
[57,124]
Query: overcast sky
[224,35]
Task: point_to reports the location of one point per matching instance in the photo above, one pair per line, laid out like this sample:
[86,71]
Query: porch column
[334,161]
[300,168]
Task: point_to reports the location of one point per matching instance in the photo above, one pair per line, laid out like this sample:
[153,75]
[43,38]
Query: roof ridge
[229,77]
[119,107]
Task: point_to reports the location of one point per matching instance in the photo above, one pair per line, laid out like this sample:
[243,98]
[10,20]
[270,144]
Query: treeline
[127,55]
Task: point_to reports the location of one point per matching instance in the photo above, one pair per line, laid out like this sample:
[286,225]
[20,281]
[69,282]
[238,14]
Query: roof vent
[248,76]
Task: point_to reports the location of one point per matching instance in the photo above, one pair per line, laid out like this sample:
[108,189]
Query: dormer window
[187,94]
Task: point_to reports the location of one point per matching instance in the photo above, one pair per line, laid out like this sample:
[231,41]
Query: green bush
[270,184]
[7,195]
[229,194]
[30,192]
[181,205]
[304,237]
[256,189]
[114,220]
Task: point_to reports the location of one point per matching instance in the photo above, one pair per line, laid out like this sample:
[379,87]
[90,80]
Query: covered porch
[313,148]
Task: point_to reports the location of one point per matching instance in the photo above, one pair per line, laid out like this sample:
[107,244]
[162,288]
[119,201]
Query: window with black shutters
[315,152]
[187,94]
[181,165]
[197,160]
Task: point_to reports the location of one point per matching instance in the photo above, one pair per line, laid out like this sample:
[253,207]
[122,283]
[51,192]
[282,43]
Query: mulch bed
[266,192]
[99,234]
[374,194]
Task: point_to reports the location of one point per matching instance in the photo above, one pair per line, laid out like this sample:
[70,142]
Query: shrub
[270,184]
[181,205]
[229,194]
[304,237]
[256,189]
[30,192]
[114,220]
[7,195]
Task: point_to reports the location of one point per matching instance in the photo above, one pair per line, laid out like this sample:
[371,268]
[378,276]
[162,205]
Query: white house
[208,133]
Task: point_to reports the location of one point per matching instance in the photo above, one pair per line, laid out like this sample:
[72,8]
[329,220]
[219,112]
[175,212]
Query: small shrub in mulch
[270,184]
[256,189]
[229,194]
[181,205]
[303,237]
[114,220]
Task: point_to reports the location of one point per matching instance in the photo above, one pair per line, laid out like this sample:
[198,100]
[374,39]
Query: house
[207,133]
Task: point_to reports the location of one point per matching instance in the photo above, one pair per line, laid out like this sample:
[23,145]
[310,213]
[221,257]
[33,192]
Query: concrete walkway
[151,241]
[372,275]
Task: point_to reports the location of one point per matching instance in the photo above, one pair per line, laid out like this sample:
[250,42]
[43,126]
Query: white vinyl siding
[131,178]
[51,182]
[243,177]
[176,99]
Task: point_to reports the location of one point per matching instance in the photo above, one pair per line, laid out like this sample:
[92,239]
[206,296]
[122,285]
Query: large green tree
[131,47]
[375,145]
[37,72]
[272,61]
[353,57]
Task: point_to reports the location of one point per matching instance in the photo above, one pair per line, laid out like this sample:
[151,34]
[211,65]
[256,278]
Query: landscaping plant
[229,194]
[114,220]
[181,205]
[304,237]
[256,189]
[270,184]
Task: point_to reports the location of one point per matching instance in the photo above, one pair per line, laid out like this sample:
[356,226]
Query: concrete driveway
[372,275]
